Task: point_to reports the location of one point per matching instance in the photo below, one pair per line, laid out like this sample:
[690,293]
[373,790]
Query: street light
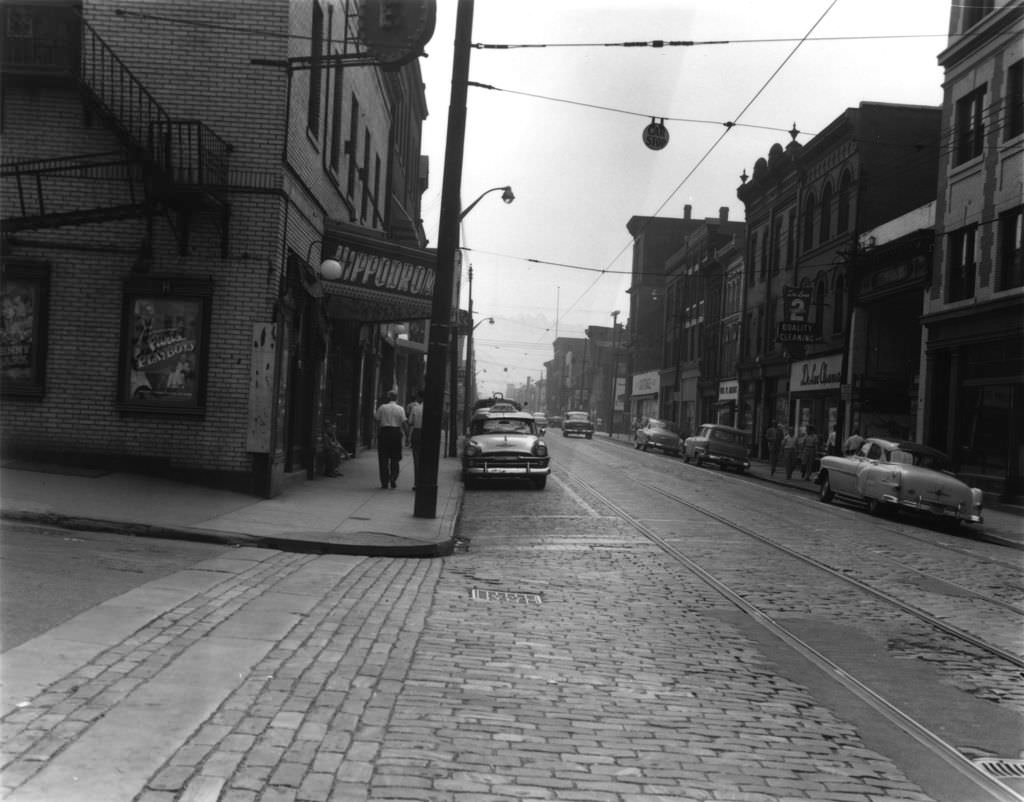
[453,387]
[506,196]
[615,372]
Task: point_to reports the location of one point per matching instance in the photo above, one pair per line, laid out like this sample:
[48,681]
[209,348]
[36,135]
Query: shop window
[962,263]
[970,125]
[24,292]
[166,322]
[1011,237]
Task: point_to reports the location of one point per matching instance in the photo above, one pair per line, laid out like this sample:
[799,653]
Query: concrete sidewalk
[350,514]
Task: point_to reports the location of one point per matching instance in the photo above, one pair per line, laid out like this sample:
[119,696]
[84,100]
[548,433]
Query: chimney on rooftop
[723,214]
[686,211]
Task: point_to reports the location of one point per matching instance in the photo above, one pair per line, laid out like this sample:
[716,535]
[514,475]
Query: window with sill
[316,49]
[826,213]
[809,222]
[970,125]
[962,264]
[1011,249]
[1015,100]
[975,11]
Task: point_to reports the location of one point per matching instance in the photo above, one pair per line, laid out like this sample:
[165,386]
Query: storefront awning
[372,306]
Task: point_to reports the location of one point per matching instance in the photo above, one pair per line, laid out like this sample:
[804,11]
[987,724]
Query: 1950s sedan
[503,443]
[661,435]
[890,475]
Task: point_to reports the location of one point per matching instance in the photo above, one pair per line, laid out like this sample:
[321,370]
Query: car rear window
[583,416]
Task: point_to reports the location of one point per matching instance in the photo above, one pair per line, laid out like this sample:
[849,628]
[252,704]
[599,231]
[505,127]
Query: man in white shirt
[391,423]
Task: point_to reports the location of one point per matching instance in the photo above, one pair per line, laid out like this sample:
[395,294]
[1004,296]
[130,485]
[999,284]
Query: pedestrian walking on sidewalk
[391,425]
[789,452]
[415,416]
[809,452]
[774,438]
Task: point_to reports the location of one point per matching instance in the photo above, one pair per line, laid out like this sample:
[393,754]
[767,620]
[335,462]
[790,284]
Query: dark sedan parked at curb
[503,444]
[725,446]
[891,475]
[661,435]
[578,424]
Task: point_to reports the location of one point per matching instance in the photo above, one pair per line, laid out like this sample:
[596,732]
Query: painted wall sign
[821,373]
[646,383]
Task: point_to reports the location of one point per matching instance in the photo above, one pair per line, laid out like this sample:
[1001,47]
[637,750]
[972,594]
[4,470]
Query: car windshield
[727,436]
[662,424]
[503,426]
[583,416]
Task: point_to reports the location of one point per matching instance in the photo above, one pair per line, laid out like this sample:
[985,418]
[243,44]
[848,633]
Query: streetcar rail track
[969,769]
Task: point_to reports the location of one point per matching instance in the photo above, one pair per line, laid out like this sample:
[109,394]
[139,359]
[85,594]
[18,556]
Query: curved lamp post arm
[506,195]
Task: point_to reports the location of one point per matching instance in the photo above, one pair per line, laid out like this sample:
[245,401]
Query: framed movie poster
[24,292]
[166,329]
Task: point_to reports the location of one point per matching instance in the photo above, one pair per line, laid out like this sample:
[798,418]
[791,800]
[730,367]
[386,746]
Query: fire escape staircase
[174,167]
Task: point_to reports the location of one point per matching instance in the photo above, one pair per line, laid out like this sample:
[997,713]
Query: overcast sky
[575,158]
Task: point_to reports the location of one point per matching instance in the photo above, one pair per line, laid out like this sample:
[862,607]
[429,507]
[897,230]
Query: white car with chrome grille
[503,443]
[891,475]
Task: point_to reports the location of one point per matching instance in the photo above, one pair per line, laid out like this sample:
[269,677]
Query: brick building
[973,351]
[806,207]
[174,174]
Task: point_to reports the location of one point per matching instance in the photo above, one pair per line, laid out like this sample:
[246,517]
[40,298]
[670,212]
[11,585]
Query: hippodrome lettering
[383,272]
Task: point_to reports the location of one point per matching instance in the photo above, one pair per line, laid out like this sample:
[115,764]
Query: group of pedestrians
[800,449]
[398,426]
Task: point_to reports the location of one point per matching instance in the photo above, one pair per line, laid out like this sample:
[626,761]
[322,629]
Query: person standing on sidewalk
[391,424]
[415,416]
[808,452]
[774,438]
[789,452]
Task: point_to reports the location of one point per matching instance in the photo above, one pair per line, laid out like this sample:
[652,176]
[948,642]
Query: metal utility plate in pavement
[511,597]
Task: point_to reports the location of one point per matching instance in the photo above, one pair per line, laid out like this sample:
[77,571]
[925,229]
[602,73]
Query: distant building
[972,392]
[655,239]
[699,274]
[806,207]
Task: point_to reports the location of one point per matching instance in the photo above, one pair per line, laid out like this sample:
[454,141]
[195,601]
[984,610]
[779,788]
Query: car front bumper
[496,467]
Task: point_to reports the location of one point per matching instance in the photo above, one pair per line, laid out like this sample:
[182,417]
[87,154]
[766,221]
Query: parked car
[724,446]
[578,424]
[542,423]
[890,475]
[503,443]
[497,398]
[659,434]
[555,422]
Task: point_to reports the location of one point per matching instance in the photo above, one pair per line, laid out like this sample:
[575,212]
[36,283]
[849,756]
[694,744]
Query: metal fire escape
[173,167]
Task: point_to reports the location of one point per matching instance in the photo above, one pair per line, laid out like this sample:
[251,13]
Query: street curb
[238,539]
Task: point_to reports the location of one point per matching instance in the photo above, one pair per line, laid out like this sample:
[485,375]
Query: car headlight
[539,449]
[473,449]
